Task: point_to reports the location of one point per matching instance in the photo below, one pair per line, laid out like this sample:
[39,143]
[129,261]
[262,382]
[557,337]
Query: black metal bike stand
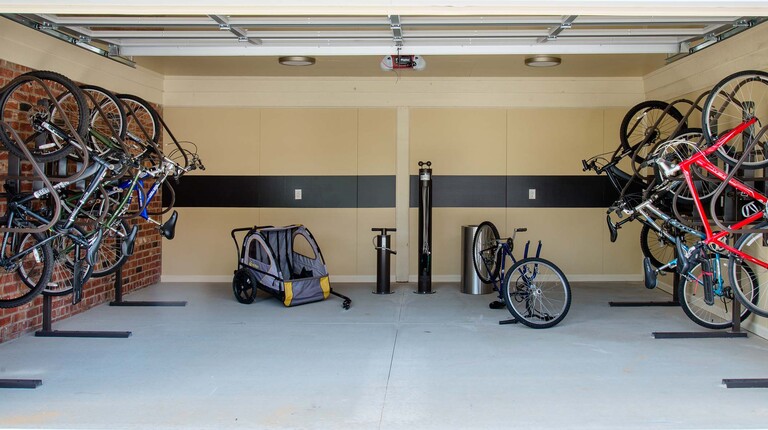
[119,296]
[21,383]
[47,331]
[734,332]
[674,302]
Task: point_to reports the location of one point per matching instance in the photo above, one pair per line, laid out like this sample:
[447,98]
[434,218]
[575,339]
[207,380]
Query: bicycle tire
[750,244]
[22,283]
[62,280]
[538,301]
[142,124]
[24,99]
[485,256]
[718,315]
[729,103]
[658,250]
[107,116]
[639,130]
[110,256]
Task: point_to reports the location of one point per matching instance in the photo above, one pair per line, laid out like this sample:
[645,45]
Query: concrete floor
[402,361]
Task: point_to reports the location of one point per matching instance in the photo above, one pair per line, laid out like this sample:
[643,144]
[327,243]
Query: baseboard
[344,279]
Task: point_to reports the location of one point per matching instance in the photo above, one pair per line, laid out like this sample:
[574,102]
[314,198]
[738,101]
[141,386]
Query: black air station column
[425,228]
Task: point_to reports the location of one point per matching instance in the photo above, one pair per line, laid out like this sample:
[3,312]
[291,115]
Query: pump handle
[422,163]
[384,230]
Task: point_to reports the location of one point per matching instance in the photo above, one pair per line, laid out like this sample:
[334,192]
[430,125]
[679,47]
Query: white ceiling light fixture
[542,61]
[296,60]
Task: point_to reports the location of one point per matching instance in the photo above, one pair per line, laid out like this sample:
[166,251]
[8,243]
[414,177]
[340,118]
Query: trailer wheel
[244,286]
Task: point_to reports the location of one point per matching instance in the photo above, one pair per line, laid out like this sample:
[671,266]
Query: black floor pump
[383,247]
[425,228]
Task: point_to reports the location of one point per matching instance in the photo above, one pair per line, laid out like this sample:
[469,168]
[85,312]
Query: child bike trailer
[286,262]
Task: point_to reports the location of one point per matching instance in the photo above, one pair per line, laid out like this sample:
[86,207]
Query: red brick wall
[142,269]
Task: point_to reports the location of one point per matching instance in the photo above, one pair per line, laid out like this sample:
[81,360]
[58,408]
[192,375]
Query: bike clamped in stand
[382,245]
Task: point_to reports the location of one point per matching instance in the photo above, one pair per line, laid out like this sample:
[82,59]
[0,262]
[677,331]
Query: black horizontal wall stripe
[379,191]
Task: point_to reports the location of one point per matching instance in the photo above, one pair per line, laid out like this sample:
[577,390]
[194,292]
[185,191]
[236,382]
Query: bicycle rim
[738,97]
[537,293]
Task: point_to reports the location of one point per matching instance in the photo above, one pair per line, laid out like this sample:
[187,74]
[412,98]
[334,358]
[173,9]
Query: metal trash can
[470,282]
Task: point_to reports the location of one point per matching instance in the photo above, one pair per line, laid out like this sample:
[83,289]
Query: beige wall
[363,141]
[282,141]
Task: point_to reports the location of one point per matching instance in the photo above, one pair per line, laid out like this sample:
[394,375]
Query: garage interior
[334,145]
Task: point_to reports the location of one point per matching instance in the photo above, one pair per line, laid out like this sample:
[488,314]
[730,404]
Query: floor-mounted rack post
[119,296]
[674,302]
[47,330]
[21,383]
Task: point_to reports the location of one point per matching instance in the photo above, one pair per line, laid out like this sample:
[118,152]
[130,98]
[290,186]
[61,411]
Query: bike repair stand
[119,296]
[425,228]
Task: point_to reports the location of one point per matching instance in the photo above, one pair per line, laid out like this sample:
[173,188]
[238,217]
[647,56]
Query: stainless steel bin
[470,282]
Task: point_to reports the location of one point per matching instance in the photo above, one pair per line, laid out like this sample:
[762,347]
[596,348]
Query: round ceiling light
[296,60]
[542,61]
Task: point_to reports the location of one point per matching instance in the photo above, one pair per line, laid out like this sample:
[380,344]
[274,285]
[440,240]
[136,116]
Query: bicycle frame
[700,159]
[505,249]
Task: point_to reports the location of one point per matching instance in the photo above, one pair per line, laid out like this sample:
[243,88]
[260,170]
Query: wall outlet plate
[531,193]
[297,194]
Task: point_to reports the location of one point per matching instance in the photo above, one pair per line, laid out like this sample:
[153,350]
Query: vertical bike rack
[119,296]
[15,169]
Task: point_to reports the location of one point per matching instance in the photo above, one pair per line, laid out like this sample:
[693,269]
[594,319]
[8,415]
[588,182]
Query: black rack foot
[148,303]
[509,321]
[21,383]
[746,383]
[640,304]
[699,335]
[91,334]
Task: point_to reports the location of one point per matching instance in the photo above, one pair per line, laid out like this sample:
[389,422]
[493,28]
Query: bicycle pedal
[706,277]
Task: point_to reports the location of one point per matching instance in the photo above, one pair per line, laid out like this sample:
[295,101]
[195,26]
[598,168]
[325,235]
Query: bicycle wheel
[485,257]
[717,315]
[107,120]
[537,293]
[28,108]
[26,268]
[142,124]
[739,97]
[65,256]
[111,256]
[748,283]
[656,246]
[646,125]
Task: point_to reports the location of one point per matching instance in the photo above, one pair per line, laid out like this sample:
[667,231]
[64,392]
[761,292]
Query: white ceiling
[482,37]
